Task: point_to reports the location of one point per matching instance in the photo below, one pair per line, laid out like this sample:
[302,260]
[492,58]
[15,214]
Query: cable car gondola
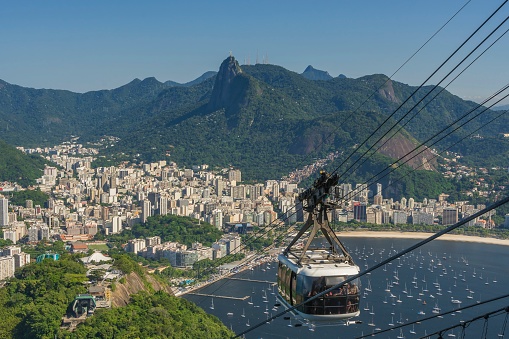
[306,271]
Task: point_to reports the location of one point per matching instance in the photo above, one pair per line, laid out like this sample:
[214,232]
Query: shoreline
[376,234]
[422,235]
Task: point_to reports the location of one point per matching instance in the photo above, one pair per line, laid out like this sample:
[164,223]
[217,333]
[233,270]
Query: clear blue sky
[91,45]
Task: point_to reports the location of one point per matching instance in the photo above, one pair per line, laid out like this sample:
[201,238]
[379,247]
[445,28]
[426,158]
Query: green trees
[37,196]
[184,230]
[157,315]
[19,167]
[34,301]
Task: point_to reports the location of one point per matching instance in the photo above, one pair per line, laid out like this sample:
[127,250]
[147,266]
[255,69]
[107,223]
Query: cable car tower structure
[315,201]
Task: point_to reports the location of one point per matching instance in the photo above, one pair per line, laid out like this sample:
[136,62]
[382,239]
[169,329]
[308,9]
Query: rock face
[399,146]
[311,73]
[222,91]
[387,91]
[134,284]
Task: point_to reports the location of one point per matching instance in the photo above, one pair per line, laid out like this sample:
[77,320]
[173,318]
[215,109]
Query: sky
[91,45]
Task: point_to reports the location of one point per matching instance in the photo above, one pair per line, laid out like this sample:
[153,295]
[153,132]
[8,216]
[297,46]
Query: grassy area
[99,247]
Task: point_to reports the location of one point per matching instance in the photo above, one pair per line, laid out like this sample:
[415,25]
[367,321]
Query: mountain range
[263,119]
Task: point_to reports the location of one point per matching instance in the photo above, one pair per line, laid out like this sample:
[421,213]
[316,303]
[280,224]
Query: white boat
[412,331]
[400,321]
[243,315]
[436,309]
[212,304]
[368,288]
[455,301]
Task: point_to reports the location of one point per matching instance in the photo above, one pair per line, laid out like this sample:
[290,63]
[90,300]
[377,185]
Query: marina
[422,273]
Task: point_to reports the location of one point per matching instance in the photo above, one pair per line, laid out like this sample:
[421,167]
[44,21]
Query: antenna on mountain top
[230,54]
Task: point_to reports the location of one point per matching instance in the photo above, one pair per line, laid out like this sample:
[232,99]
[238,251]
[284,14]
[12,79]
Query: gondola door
[293,289]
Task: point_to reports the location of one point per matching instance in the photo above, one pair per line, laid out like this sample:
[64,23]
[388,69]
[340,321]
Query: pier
[253,280]
[218,296]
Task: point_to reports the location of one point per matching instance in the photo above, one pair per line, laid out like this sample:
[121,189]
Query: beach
[422,235]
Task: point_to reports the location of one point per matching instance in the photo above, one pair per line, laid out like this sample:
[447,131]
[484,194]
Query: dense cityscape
[85,201]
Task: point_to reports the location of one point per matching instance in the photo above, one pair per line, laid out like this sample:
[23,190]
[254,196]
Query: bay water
[443,274]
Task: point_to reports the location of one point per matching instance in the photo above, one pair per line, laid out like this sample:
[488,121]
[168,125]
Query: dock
[219,296]
[252,280]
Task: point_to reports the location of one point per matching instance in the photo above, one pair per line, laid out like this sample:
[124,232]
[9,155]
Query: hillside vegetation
[16,166]
[33,303]
[263,119]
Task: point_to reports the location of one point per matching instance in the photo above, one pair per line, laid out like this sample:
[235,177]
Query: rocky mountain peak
[312,73]
[221,93]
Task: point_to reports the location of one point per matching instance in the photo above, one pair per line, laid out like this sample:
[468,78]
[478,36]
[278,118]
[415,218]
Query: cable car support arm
[314,202]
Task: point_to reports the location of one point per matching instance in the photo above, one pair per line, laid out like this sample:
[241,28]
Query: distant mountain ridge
[501,108]
[311,73]
[263,119]
[196,81]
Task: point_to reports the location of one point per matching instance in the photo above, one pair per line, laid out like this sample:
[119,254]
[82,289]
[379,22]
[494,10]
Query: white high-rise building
[403,203]
[11,235]
[146,210]
[4,212]
[411,203]
[116,225]
[218,219]
[235,175]
[6,267]
[163,205]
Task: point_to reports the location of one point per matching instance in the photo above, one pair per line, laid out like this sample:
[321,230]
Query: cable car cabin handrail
[320,256]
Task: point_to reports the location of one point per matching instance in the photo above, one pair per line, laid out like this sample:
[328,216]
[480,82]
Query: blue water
[450,270]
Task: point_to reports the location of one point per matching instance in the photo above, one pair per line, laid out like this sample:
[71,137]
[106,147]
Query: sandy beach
[422,235]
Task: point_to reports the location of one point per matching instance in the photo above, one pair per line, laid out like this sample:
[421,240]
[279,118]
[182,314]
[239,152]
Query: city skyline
[92,46]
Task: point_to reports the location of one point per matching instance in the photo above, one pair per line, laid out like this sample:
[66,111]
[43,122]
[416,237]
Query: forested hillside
[16,166]
[263,119]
